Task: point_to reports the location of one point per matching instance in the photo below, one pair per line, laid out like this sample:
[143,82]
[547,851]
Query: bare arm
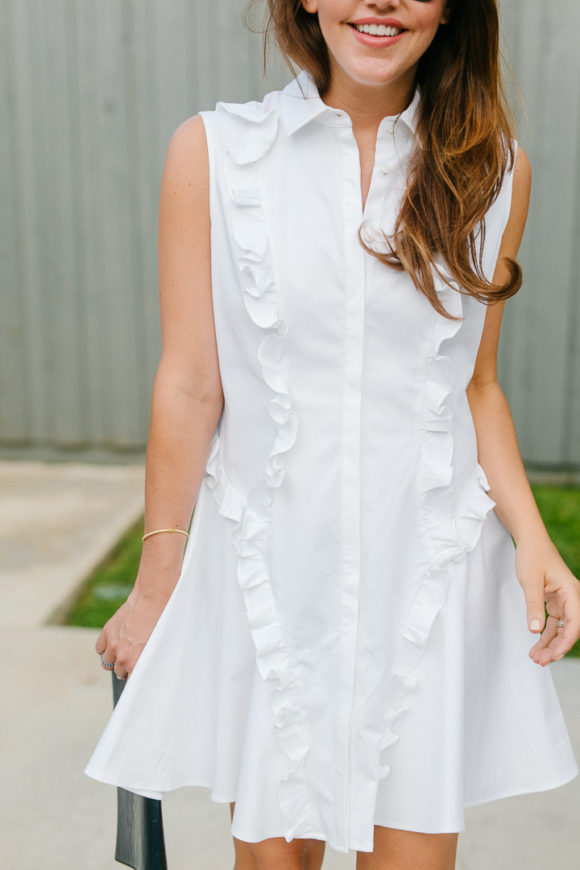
[187,397]
[541,571]
[496,438]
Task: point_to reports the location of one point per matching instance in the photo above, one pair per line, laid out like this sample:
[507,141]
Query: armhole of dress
[211,153]
[506,195]
[509,185]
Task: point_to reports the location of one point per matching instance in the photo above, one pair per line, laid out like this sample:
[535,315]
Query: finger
[548,633]
[565,639]
[546,637]
[535,607]
[120,671]
[107,658]
[101,643]
[557,646]
[568,606]
[107,667]
[547,655]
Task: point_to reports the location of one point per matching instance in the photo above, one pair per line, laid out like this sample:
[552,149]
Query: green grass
[560,509]
[108,587]
[105,591]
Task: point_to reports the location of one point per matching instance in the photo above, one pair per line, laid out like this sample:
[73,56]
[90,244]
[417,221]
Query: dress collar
[301,103]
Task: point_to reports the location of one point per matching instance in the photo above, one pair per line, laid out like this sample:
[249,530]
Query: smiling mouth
[377,29]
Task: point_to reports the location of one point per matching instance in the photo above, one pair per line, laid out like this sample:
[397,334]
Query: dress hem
[515,792]
[557,783]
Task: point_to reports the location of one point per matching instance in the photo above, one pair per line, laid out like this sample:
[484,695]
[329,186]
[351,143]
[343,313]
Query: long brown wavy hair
[465,134]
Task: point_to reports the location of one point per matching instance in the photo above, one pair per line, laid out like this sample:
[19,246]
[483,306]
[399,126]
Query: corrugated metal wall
[90,93]
[540,349]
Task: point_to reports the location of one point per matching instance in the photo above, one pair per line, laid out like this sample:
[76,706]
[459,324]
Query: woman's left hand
[544,576]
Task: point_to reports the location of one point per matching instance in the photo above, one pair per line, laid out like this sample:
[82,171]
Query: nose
[381,7]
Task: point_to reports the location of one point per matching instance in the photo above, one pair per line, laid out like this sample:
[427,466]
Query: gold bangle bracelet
[157,531]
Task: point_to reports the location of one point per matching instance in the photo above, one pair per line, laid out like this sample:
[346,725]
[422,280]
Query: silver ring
[106,664]
[560,623]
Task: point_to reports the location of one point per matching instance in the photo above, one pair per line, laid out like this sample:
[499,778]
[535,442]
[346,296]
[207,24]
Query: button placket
[389,167]
[389,160]
[370,229]
[354,316]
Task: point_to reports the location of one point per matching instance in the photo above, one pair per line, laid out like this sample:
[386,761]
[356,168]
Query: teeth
[377,29]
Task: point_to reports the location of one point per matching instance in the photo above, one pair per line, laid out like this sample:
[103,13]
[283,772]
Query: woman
[343,653]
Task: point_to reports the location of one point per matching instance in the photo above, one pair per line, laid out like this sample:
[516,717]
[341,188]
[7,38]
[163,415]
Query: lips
[371,30]
[387,22]
[389,34]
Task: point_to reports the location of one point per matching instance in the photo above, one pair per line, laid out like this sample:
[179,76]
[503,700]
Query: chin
[371,77]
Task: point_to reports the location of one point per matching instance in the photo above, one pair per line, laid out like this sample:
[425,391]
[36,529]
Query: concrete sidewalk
[56,522]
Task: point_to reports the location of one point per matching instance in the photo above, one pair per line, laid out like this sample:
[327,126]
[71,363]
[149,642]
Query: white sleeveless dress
[347,643]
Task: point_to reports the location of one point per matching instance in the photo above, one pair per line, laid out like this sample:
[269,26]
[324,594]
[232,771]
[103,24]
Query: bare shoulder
[184,254]
[186,167]
[184,200]
[189,136]
[520,201]
[522,181]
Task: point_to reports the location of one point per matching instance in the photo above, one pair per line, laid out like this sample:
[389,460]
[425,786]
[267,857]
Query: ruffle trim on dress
[251,512]
[450,537]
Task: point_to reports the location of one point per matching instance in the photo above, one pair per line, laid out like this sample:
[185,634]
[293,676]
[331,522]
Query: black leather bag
[140,842]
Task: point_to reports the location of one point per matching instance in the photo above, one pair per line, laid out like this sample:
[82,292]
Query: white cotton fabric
[347,642]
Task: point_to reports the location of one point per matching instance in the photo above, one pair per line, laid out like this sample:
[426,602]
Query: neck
[367,104]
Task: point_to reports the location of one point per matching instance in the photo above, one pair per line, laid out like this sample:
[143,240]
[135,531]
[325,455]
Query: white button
[369,235]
